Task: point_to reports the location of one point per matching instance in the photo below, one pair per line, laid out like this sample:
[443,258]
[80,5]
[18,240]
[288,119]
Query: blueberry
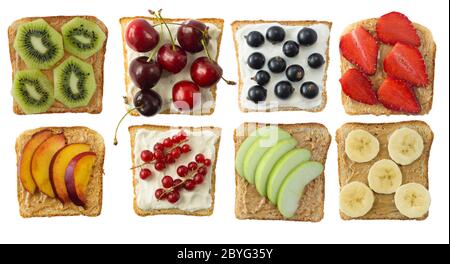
[290,48]
[295,73]
[262,77]
[277,64]
[315,60]
[307,37]
[256,60]
[275,34]
[309,90]
[255,39]
[257,94]
[284,90]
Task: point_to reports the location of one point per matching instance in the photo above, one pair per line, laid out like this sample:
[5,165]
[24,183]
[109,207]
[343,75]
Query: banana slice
[412,200]
[356,199]
[385,177]
[361,146]
[405,146]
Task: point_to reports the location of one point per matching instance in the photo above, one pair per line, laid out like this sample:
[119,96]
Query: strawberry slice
[395,27]
[406,63]
[360,48]
[357,86]
[398,96]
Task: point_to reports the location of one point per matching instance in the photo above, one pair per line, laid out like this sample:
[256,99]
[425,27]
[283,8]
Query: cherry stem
[163,22]
[120,122]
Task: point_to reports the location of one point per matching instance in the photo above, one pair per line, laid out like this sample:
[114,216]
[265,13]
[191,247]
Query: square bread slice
[173,210]
[237,25]
[40,205]
[349,171]
[207,107]
[251,205]
[424,94]
[96,60]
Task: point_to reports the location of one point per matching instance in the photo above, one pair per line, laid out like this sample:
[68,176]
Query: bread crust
[205,212]
[38,204]
[424,94]
[124,22]
[239,23]
[250,205]
[384,206]
[96,60]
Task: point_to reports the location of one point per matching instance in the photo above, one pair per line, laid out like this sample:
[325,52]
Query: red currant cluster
[190,176]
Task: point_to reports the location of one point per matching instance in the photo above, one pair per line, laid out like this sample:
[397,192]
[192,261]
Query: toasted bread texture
[124,23]
[205,212]
[424,94]
[251,205]
[349,171]
[40,205]
[236,25]
[96,60]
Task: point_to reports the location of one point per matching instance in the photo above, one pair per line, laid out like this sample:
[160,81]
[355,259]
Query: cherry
[167,143]
[167,182]
[158,146]
[200,158]
[207,162]
[190,35]
[159,155]
[186,148]
[141,36]
[192,166]
[177,184]
[145,173]
[144,72]
[202,170]
[185,95]
[205,72]
[173,197]
[170,159]
[159,194]
[147,102]
[147,156]
[182,171]
[172,58]
[189,185]
[199,178]
[160,166]
[176,152]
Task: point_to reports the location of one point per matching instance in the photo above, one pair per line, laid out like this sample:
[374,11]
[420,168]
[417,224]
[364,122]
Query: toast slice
[424,94]
[40,205]
[128,82]
[251,205]
[96,60]
[134,130]
[236,25]
[384,206]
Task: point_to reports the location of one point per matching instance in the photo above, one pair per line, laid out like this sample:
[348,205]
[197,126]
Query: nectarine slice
[78,174]
[59,165]
[24,167]
[40,162]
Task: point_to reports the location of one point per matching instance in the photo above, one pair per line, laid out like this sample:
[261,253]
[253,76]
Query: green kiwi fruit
[32,91]
[38,44]
[74,82]
[82,38]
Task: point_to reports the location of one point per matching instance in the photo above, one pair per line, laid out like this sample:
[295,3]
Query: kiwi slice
[32,91]
[82,38]
[38,44]
[74,82]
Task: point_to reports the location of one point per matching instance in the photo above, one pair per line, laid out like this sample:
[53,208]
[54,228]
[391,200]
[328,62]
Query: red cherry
[145,174]
[200,158]
[202,170]
[205,72]
[185,95]
[182,171]
[170,159]
[199,178]
[189,185]
[147,156]
[167,143]
[145,73]
[186,148]
[141,36]
[160,166]
[173,197]
[192,166]
[172,58]
[159,155]
[176,152]
[207,162]
[177,184]
[167,182]
[159,194]
[158,146]
[190,35]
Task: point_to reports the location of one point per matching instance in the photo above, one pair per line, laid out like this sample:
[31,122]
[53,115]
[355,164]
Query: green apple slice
[269,160]
[291,190]
[258,149]
[282,168]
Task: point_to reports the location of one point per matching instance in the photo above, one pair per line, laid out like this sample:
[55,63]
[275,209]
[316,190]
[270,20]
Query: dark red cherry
[190,35]
[172,58]
[141,36]
[147,102]
[145,73]
[205,72]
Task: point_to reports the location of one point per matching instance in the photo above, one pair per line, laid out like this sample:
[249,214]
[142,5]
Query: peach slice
[78,174]
[59,165]
[24,167]
[40,162]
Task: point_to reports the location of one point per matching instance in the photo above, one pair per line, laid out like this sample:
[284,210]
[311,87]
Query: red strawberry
[398,96]
[395,27]
[358,87]
[361,49]
[406,63]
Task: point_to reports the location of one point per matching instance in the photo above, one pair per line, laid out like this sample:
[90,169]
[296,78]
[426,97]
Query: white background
[118,223]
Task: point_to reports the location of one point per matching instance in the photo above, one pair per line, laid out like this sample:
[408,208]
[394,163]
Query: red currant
[167,182]
[203,170]
[182,171]
[182,135]
[158,146]
[177,184]
[173,197]
[159,155]
[170,159]
[176,139]
[192,166]
[176,152]
[147,156]
[207,162]
[185,148]
[145,173]
[160,166]
[199,178]
[189,185]
[167,143]
[159,194]
[200,158]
